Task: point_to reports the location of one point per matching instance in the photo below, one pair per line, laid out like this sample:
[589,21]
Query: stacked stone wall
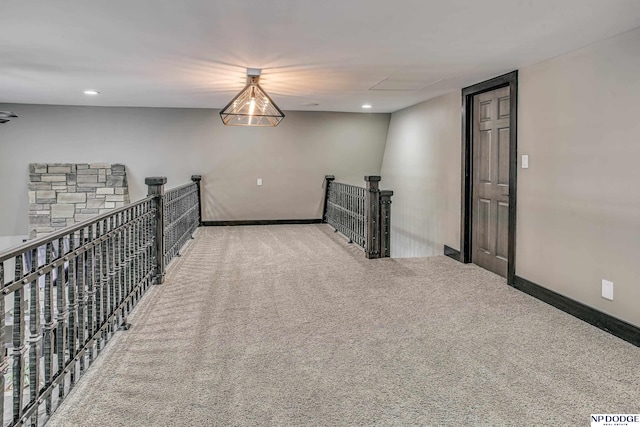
[61,194]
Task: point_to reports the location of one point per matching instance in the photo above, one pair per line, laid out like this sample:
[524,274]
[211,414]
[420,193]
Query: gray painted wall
[422,162]
[578,216]
[292,158]
[579,202]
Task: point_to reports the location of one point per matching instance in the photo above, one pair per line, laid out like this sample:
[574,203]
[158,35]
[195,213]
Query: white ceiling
[336,53]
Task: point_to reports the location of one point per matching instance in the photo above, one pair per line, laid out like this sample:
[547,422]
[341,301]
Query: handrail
[32,244]
[180,187]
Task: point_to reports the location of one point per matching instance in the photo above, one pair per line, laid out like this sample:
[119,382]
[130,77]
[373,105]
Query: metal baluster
[144,247]
[334,199]
[340,212]
[337,204]
[105,283]
[352,213]
[153,251]
[347,216]
[340,221]
[168,209]
[61,303]
[18,342]
[345,228]
[351,209]
[133,254]
[72,307]
[140,248]
[123,267]
[81,297]
[146,244]
[174,230]
[117,269]
[356,215]
[345,213]
[362,216]
[126,259]
[48,328]
[98,280]
[91,268]
[113,240]
[166,214]
[34,336]
[137,266]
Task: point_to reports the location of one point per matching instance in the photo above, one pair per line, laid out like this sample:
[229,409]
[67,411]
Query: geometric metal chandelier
[5,115]
[252,106]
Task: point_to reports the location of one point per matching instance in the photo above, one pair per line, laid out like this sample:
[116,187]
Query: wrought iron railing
[347,211]
[181,216]
[361,214]
[68,294]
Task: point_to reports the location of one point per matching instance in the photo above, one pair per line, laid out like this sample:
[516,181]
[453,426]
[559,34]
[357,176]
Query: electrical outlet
[259,182]
[607,289]
[525,161]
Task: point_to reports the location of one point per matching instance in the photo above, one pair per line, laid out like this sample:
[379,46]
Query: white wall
[579,202]
[422,165]
[292,158]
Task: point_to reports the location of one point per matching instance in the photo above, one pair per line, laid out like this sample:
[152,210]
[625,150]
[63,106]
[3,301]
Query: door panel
[503,158]
[484,155]
[502,240]
[503,107]
[484,225]
[490,226]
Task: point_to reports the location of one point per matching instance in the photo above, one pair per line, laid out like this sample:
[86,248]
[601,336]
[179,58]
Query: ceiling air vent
[402,85]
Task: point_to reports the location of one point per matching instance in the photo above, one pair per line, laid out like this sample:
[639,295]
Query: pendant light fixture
[252,106]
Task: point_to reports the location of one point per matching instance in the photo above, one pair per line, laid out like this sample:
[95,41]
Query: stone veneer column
[61,194]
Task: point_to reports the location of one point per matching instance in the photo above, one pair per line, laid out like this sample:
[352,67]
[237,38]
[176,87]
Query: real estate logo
[615,420]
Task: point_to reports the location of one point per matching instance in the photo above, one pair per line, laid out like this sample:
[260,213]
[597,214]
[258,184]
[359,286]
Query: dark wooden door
[490,234]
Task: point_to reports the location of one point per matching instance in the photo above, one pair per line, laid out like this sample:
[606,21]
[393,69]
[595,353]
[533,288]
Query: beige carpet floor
[290,325]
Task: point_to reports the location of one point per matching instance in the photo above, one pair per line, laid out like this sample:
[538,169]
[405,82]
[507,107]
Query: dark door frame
[507,80]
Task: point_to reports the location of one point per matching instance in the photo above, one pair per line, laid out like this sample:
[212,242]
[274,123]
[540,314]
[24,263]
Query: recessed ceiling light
[91,92]
[366,106]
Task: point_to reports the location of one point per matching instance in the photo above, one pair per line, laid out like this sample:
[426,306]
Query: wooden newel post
[372,249]
[385,223]
[197,179]
[327,184]
[156,188]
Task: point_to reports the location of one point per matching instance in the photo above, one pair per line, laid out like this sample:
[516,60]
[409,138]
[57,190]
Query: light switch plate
[259,182]
[607,289]
[525,161]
